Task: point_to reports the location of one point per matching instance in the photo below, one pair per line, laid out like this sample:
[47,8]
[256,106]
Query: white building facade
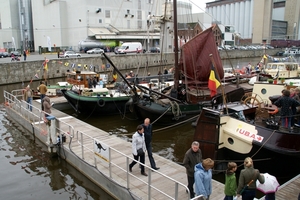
[67,22]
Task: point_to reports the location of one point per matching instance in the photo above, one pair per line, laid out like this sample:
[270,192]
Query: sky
[198,5]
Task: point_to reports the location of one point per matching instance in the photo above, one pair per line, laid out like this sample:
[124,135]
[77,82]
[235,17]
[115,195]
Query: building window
[107,14]
[139,4]
[128,24]
[128,11]
[140,24]
[150,1]
[100,21]
[139,14]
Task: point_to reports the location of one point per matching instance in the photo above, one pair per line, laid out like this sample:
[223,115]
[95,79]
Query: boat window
[269,66]
[263,91]
[289,67]
[281,67]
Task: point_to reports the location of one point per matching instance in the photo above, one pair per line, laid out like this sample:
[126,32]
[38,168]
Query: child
[230,181]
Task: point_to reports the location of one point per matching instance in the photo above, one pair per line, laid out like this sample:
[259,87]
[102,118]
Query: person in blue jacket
[203,178]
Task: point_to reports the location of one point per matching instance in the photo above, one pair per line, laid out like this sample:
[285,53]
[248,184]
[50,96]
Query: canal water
[28,171]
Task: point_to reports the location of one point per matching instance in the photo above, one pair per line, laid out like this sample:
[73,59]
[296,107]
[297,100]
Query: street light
[295,25]
[148,26]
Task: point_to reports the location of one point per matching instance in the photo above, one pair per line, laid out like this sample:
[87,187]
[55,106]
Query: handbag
[140,152]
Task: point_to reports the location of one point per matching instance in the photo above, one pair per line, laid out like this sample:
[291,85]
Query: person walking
[27,96]
[230,181]
[247,180]
[94,82]
[25,55]
[90,82]
[47,107]
[192,157]
[138,149]
[148,141]
[203,177]
[43,90]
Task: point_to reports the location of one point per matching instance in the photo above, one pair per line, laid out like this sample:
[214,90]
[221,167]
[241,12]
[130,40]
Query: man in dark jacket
[192,157]
[148,139]
[287,104]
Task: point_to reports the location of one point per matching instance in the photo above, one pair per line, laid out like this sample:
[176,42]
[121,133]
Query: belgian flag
[213,82]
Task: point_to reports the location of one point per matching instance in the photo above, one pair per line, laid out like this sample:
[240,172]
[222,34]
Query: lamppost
[295,25]
[148,26]
[264,42]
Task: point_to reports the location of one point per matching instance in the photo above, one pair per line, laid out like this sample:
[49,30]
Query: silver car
[71,54]
[95,50]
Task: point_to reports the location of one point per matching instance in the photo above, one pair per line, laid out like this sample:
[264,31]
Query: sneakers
[144,173]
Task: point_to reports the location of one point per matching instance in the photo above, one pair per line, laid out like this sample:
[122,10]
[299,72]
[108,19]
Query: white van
[130,47]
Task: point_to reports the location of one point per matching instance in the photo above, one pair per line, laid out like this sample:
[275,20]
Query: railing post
[81,143]
[176,190]
[127,171]
[149,183]
[109,164]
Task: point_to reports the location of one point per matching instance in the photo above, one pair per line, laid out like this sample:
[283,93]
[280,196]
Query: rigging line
[177,124]
[116,18]
[263,144]
[162,115]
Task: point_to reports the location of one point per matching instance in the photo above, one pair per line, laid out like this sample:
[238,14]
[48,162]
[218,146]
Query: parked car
[4,54]
[95,50]
[71,54]
[154,50]
[280,53]
[116,49]
[15,53]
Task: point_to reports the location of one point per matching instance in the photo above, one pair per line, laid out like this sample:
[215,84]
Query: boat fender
[101,102]
[273,112]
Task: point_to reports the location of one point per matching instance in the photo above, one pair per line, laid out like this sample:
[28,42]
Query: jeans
[29,101]
[270,196]
[228,197]
[248,195]
[151,159]
[286,122]
[191,181]
[142,160]
[42,96]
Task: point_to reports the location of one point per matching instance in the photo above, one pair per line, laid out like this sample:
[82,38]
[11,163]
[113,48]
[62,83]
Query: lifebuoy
[101,103]
[273,112]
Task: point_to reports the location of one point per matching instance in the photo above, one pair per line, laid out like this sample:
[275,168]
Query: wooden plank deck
[289,190]
[119,170]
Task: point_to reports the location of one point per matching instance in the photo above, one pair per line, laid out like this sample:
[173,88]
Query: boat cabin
[80,78]
[283,69]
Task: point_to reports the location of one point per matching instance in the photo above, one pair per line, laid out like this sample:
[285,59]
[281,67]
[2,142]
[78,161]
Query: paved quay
[110,173]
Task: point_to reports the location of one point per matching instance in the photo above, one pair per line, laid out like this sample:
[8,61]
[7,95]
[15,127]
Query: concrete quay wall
[24,71]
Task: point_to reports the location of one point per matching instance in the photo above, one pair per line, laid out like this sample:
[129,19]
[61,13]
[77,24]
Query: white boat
[283,69]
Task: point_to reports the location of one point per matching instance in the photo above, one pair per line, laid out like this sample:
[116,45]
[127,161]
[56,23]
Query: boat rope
[263,143]
[236,161]
[177,124]
[161,115]
[175,110]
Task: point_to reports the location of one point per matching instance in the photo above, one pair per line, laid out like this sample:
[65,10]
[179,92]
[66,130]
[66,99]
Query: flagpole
[223,92]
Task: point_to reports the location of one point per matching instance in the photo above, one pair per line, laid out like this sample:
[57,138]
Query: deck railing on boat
[112,168]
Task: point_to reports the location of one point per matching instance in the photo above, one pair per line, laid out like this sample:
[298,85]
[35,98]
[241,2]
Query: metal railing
[86,148]
[112,167]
